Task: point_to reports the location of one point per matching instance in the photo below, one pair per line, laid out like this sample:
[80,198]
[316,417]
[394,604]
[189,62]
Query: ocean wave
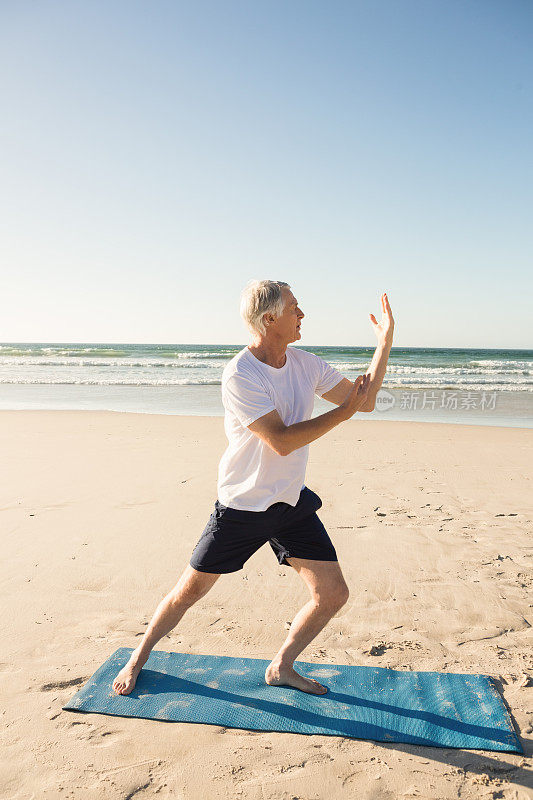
[82,362]
[213,363]
[106,352]
[194,354]
[464,380]
[474,387]
[111,382]
[408,385]
[103,352]
[402,369]
[502,363]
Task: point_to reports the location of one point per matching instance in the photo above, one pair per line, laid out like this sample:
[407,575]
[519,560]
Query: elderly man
[268,391]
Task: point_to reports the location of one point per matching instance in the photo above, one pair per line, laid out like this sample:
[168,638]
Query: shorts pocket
[228,514]
[219,509]
[314,499]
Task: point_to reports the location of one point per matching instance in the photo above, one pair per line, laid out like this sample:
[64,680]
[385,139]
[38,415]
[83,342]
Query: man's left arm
[384,331]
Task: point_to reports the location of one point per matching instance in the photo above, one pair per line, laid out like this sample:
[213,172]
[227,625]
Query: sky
[156,156]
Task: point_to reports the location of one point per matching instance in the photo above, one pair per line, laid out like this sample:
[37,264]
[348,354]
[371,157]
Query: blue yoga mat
[386,705]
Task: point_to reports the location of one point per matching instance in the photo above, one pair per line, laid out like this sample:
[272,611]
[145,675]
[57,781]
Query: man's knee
[333,597]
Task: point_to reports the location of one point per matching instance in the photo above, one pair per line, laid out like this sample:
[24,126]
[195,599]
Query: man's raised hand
[384,330]
[357,396]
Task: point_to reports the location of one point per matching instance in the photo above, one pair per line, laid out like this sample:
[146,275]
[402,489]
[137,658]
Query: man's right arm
[283,439]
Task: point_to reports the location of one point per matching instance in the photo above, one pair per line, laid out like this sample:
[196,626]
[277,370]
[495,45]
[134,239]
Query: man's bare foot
[124,683]
[278,675]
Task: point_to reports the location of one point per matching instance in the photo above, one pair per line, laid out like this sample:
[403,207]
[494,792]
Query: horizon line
[223,344]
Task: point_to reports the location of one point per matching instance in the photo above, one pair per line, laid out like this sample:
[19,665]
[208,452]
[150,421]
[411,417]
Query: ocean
[469,386]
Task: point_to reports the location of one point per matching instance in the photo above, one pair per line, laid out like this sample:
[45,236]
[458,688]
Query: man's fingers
[358,382]
[361,384]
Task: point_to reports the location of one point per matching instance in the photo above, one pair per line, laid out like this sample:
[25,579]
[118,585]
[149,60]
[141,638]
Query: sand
[100,512]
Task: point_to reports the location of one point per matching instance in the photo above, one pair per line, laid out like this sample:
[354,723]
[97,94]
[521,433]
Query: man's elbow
[281,445]
[282,448]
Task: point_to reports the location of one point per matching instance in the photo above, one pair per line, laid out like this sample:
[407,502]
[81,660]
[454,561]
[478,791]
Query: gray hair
[258,298]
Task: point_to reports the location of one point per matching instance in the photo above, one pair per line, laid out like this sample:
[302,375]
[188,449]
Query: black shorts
[232,536]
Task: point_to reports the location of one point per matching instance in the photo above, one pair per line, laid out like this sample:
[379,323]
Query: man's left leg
[329,593]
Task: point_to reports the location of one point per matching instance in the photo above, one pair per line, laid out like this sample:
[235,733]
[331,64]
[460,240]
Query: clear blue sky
[157,155]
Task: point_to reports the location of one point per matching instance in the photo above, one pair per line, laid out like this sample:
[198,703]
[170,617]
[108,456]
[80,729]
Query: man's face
[287,327]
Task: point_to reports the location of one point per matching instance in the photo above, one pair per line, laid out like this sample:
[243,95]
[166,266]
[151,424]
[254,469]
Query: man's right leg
[192,586]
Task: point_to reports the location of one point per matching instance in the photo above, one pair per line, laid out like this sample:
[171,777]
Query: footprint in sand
[380,648]
[95,734]
[377,649]
[48,687]
[106,738]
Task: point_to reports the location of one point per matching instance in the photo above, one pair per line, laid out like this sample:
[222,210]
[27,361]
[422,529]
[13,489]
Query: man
[268,390]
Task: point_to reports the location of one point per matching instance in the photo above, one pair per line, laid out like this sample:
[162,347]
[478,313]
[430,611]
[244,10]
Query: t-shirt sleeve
[326,376]
[246,398]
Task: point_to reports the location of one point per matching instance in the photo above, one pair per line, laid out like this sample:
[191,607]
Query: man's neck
[272,353]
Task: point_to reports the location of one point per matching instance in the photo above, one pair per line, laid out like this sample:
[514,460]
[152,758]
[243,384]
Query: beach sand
[100,512]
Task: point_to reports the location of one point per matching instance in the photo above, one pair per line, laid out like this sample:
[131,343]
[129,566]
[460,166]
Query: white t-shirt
[251,476]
